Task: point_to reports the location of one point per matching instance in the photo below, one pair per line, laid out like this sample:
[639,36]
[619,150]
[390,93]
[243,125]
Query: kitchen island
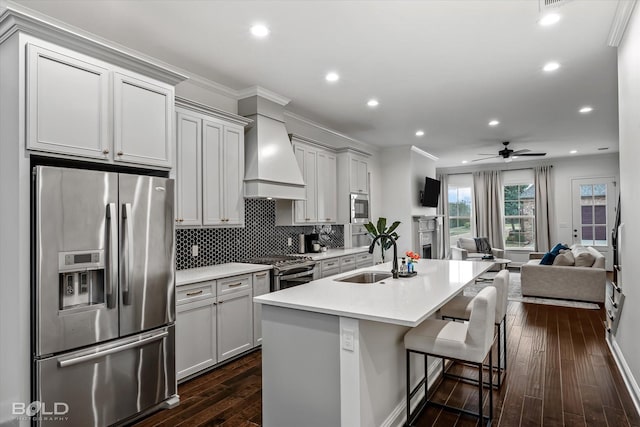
[333,352]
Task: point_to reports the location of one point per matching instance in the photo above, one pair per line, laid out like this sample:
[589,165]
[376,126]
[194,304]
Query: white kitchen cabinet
[347,263]
[210,174]
[196,318]
[67,103]
[330,267]
[318,165]
[359,173]
[327,187]
[81,106]
[142,120]
[188,170]
[235,323]
[364,260]
[261,286]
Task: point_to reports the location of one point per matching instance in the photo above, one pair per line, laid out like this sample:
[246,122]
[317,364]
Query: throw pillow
[467,243]
[564,258]
[583,258]
[547,259]
[556,249]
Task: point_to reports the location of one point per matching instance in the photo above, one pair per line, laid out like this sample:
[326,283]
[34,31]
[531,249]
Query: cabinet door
[311,181]
[212,173]
[195,337]
[300,206]
[261,286]
[233,166]
[354,185]
[142,120]
[330,267]
[235,324]
[188,171]
[362,173]
[67,103]
[327,187]
[347,263]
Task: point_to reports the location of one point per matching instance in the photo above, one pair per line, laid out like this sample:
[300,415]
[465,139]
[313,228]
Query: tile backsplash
[259,237]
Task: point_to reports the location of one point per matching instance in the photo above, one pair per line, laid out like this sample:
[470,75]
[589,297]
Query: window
[459,213]
[593,214]
[519,216]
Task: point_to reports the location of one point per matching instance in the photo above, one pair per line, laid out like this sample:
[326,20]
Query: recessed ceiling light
[373,103]
[420,133]
[514,157]
[260,30]
[494,123]
[465,161]
[551,66]
[586,109]
[549,19]
[573,151]
[332,77]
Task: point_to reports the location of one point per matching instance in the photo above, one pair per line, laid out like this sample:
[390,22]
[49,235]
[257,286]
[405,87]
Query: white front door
[594,213]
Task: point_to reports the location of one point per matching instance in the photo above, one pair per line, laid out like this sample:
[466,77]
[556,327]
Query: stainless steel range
[288,270]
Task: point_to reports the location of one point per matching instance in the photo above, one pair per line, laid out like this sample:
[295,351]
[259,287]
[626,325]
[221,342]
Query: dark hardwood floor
[561,373]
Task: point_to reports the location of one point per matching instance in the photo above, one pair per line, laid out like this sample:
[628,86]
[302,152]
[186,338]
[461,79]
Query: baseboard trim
[625,371]
[398,416]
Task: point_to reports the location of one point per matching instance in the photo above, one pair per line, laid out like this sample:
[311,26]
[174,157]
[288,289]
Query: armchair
[466,249]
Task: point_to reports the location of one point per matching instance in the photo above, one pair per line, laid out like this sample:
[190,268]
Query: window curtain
[443,209]
[488,203]
[544,208]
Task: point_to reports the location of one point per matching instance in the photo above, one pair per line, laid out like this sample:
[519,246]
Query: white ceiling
[447,67]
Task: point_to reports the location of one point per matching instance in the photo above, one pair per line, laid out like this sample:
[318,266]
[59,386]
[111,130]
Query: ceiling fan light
[508,159]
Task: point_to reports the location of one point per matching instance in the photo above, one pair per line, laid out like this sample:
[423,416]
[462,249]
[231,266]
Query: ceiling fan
[507,154]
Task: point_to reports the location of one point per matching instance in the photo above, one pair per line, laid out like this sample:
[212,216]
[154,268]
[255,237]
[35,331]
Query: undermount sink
[366,277]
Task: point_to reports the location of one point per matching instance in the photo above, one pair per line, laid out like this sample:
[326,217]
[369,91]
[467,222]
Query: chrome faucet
[394,269]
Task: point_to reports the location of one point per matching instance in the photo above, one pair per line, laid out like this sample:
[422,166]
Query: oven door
[291,279]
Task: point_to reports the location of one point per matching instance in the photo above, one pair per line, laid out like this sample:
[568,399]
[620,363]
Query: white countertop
[404,302]
[200,274]
[334,253]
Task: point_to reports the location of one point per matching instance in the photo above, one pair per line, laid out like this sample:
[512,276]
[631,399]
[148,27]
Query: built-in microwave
[359,208]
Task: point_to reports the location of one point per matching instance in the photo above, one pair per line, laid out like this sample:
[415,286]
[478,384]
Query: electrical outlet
[348,339]
[194,250]
[289,241]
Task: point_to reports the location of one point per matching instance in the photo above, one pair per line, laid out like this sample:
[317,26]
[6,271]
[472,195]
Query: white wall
[626,339]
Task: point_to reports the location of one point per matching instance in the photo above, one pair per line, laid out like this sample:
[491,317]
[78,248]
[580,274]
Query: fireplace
[426,251]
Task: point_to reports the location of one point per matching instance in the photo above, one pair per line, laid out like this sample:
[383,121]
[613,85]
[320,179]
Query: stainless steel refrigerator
[103,295]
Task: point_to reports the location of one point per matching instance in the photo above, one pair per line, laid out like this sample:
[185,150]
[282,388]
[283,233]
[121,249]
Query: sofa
[580,281]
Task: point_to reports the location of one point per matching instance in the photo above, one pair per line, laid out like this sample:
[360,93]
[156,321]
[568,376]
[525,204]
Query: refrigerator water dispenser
[81,279]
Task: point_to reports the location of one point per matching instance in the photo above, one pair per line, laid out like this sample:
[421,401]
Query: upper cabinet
[359,174]
[209,167]
[318,166]
[78,105]
[354,168]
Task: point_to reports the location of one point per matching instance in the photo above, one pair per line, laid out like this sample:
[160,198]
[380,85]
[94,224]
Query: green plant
[381,228]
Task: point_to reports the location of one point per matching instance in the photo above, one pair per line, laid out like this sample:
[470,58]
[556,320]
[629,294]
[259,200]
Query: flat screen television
[431,192]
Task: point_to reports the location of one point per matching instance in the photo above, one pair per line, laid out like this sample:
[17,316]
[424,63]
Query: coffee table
[502,263]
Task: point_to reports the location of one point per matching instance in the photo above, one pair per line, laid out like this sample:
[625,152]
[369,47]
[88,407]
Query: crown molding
[324,128]
[205,109]
[620,21]
[15,18]
[424,153]
[263,93]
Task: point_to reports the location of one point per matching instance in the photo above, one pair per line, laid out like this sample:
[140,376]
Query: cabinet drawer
[330,264]
[195,292]
[364,260]
[234,284]
[347,263]
[330,272]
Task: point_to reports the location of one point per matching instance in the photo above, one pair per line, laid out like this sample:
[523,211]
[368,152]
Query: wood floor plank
[551,353]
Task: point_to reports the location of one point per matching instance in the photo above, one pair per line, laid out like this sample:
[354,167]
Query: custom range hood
[271,169]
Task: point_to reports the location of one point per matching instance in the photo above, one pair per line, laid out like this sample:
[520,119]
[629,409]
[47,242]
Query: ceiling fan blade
[486,154]
[485,158]
[517,152]
[533,154]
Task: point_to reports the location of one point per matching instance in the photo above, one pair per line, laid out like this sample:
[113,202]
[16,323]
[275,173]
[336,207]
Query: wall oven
[359,208]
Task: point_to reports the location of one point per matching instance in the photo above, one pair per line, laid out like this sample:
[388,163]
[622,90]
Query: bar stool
[459,308]
[469,342]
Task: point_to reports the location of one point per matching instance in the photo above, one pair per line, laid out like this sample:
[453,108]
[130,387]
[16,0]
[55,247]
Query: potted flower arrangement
[413,258]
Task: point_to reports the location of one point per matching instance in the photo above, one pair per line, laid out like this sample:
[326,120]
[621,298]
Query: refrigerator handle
[127,219]
[112,264]
[63,363]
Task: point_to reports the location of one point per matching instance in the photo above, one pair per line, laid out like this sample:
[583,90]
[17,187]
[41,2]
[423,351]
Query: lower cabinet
[329,267]
[217,319]
[347,263]
[235,324]
[261,286]
[195,337]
